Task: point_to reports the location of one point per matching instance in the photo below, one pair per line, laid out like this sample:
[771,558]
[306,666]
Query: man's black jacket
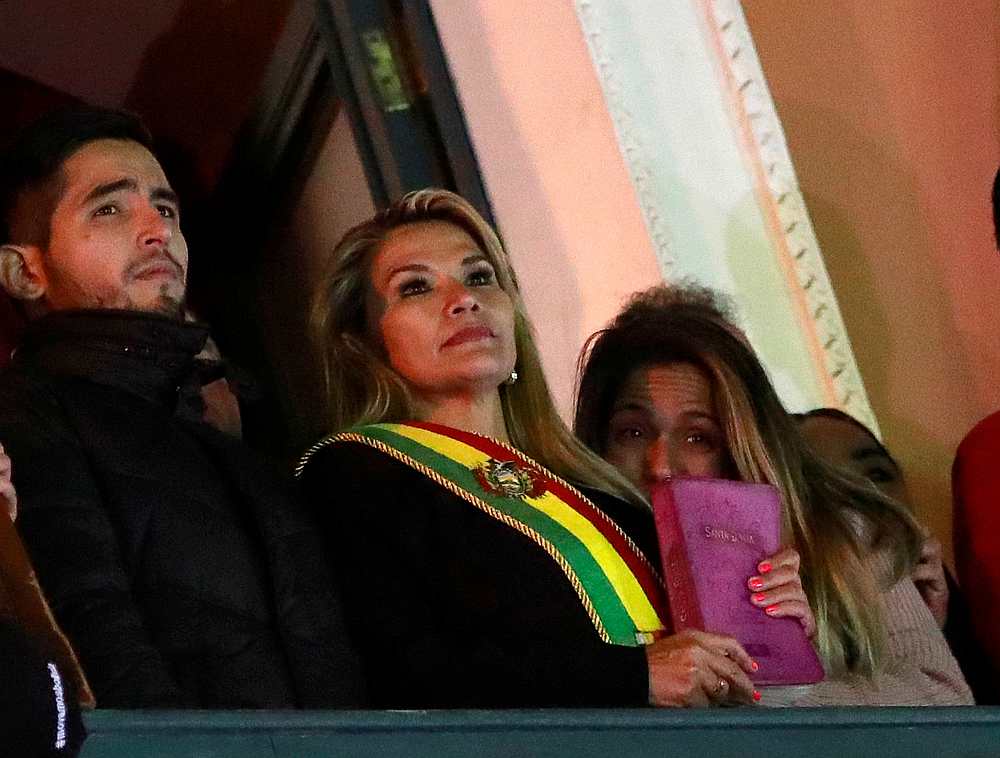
[173,558]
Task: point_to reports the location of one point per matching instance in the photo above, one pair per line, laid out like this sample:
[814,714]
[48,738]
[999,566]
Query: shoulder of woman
[635,521]
[605,500]
[346,465]
[349,484]
[614,505]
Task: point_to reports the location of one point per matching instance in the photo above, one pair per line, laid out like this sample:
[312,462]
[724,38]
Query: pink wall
[892,115]
[551,164]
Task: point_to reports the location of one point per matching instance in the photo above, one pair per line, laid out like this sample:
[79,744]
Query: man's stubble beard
[165,304]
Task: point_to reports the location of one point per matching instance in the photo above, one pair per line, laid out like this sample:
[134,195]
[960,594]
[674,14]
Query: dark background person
[976,489]
[220,384]
[849,445]
[672,388]
[223,387]
[42,685]
[39,715]
[453,599]
[23,607]
[846,443]
[975,481]
[172,556]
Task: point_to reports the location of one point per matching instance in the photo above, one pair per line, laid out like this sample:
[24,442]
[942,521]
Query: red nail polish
[760,597]
[754,665]
[755,582]
[764,567]
[756,696]
[771,610]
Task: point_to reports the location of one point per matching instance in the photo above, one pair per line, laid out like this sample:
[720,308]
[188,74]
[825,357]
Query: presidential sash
[616,584]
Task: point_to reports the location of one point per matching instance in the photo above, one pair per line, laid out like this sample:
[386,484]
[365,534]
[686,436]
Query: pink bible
[713,533]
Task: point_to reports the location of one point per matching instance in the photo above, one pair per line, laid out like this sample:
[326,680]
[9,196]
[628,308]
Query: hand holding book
[713,534]
[696,669]
[777,589]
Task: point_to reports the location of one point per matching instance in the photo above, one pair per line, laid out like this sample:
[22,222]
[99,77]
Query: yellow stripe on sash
[621,578]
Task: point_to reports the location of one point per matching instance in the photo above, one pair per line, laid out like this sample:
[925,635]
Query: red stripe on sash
[634,559]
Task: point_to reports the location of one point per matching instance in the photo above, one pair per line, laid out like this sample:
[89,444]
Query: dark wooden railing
[877,732]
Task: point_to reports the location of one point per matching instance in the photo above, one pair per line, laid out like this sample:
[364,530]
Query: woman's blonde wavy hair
[362,388]
[823,508]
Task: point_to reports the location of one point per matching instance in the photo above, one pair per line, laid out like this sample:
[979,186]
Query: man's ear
[21,272]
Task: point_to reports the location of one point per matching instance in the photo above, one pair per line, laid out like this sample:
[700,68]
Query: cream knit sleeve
[918,669]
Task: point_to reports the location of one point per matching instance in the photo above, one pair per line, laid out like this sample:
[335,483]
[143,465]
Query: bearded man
[174,559]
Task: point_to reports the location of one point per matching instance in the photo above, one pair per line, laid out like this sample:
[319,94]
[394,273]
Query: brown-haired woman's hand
[8,496]
[698,669]
[777,589]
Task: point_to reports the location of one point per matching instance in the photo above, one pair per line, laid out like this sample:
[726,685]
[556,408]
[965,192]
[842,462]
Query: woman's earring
[512,379]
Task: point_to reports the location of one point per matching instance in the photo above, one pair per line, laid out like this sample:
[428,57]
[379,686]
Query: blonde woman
[487,558]
[673,388]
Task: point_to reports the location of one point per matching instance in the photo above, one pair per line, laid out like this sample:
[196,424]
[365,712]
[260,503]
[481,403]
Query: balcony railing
[813,733]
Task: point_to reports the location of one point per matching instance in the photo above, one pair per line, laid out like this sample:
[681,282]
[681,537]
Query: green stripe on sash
[615,618]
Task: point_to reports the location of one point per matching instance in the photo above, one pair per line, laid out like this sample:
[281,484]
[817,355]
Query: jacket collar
[147,354]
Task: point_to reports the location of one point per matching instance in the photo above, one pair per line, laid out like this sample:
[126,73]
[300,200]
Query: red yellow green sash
[616,584]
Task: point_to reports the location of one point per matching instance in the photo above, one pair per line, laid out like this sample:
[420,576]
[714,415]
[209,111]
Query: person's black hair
[31,180]
[838,415]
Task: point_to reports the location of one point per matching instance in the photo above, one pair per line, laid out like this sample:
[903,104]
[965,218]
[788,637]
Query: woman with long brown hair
[673,388]
[488,559]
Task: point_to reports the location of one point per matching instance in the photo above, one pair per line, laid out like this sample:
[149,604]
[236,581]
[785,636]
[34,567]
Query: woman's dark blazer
[453,609]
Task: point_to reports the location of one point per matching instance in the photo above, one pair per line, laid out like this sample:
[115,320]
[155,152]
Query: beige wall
[892,115]
[551,165]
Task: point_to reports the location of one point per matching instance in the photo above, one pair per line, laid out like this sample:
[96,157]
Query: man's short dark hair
[31,179]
